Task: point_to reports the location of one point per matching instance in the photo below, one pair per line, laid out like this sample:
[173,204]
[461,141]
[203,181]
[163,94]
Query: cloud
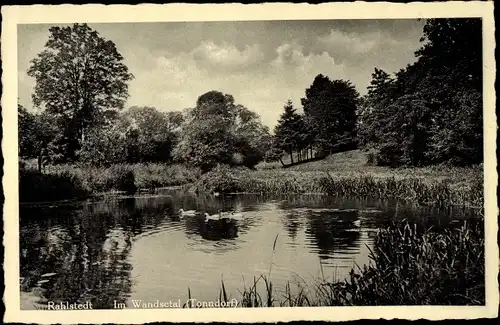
[295,68]
[350,42]
[226,56]
[175,81]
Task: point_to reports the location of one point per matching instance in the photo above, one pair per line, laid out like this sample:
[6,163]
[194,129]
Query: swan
[189,213]
[232,215]
[209,217]
[357,223]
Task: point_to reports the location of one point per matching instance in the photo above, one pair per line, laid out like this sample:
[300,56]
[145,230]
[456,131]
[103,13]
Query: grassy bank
[408,266]
[346,174]
[62,182]
[445,186]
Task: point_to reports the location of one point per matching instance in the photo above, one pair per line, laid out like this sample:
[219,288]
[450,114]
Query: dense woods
[427,113]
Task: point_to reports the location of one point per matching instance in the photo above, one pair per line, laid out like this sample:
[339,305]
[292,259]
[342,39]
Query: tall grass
[408,266]
[445,190]
[60,182]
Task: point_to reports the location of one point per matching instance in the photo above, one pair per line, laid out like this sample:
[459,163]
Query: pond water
[137,248]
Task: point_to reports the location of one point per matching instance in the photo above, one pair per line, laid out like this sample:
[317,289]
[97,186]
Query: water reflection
[332,230]
[138,247]
[75,261]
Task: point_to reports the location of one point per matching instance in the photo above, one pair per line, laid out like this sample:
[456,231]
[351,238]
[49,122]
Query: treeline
[431,112]
[215,131]
[80,90]
[428,113]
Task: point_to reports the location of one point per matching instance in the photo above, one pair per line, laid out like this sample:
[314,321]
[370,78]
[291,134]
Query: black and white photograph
[241,163]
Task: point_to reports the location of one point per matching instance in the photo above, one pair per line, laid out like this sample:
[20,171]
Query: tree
[217,131]
[330,111]
[252,138]
[452,58]
[287,132]
[140,134]
[155,133]
[37,135]
[431,111]
[79,76]
[27,133]
[374,109]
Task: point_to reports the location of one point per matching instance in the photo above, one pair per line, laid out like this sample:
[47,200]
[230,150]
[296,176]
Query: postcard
[198,163]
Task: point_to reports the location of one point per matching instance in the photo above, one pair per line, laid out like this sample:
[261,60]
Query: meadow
[348,174]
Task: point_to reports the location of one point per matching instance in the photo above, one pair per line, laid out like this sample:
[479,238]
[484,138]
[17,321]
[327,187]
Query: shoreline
[110,195]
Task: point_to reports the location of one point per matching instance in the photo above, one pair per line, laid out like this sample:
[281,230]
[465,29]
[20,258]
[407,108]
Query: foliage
[217,131]
[140,134]
[154,175]
[424,185]
[38,135]
[330,112]
[37,187]
[288,133]
[430,112]
[79,76]
[62,182]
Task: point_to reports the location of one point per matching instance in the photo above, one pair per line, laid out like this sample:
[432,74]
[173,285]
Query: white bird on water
[231,215]
[209,217]
[189,213]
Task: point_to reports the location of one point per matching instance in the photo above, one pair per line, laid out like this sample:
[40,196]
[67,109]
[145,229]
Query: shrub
[122,178]
[35,186]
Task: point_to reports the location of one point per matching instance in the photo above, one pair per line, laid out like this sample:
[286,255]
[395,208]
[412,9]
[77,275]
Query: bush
[36,187]
[149,176]
[122,179]
[221,179]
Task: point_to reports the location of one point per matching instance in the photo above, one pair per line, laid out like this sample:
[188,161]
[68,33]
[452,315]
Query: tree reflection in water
[81,259]
[333,231]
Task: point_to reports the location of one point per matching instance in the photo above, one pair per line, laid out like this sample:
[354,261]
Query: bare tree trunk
[281,161]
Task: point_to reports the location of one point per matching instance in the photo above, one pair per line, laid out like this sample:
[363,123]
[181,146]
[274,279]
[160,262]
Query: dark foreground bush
[37,187]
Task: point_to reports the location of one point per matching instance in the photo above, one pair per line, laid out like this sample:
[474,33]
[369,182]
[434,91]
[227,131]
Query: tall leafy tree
[79,76]
[374,108]
[452,57]
[218,131]
[431,112]
[330,110]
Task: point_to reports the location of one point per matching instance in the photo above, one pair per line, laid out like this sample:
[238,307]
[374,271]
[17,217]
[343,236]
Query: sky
[261,63]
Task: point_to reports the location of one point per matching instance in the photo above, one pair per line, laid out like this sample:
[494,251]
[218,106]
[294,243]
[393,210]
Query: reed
[408,266]
[425,189]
